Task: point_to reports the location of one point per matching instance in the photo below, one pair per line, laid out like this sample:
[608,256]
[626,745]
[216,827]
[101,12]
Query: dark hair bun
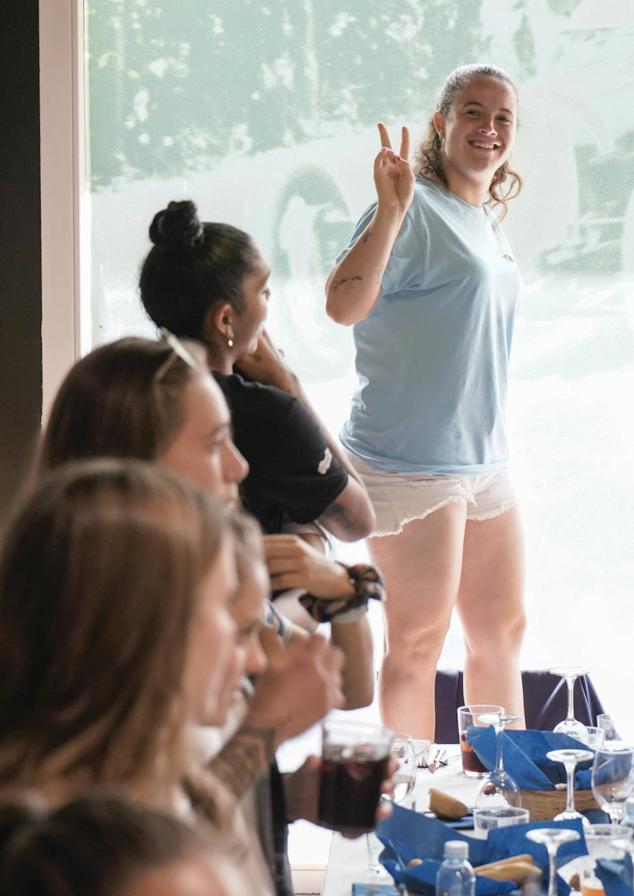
[177,226]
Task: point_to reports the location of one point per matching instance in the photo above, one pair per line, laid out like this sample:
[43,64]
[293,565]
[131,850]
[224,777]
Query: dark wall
[20,265]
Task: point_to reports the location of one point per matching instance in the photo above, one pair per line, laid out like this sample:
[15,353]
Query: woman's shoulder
[242,392]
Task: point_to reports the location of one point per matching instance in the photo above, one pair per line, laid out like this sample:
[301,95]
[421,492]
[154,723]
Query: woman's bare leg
[422,568]
[491,606]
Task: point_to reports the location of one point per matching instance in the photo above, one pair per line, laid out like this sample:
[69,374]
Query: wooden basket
[543,805]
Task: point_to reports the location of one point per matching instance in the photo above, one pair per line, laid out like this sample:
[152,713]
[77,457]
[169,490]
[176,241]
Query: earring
[230,339]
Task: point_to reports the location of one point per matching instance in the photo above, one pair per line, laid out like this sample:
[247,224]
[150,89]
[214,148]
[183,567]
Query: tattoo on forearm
[247,755]
[337,283]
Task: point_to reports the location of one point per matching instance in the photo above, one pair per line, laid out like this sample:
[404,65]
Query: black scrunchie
[367,583]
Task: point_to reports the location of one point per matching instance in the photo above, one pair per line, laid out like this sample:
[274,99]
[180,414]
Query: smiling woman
[476,120]
[431,285]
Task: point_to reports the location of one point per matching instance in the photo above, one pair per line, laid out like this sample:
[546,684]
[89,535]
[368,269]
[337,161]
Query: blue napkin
[407,835]
[360,889]
[422,878]
[525,757]
[616,876]
[416,836]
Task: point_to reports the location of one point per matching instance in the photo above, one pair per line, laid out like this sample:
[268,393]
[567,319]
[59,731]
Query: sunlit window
[264,113]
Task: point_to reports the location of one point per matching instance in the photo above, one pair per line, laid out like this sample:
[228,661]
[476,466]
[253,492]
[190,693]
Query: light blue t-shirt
[432,357]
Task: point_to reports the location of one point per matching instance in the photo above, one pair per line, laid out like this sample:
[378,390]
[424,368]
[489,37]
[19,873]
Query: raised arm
[354,285]
[350,516]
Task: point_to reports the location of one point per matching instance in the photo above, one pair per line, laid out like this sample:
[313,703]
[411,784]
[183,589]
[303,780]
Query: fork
[432,758]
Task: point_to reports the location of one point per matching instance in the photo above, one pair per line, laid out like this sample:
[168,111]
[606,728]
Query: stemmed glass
[404,780]
[570,725]
[405,776]
[498,789]
[570,760]
[613,778]
[552,839]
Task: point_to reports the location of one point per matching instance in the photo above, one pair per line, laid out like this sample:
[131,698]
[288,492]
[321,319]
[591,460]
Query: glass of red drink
[478,715]
[354,762]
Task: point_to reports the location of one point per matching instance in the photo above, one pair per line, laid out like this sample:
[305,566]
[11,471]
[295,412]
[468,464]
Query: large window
[263,111]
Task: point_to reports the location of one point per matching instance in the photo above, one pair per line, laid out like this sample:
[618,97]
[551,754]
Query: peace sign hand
[393,175]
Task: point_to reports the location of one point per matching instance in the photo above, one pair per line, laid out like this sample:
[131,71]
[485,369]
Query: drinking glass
[570,725]
[552,839]
[498,789]
[354,763]
[405,776]
[606,723]
[485,820]
[404,780]
[468,717]
[570,760]
[613,777]
[596,736]
[607,841]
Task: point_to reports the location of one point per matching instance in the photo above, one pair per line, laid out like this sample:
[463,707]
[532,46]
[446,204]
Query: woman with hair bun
[430,284]
[103,845]
[208,281]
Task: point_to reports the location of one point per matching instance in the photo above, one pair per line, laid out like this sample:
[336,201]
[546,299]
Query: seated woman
[140,398]
[103,845]
[115,638]
[157,400]
[209,282]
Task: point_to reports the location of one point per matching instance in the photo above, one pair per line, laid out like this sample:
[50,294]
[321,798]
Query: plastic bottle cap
[456,849]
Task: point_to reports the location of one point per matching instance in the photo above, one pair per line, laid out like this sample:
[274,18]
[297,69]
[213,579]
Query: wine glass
[498,789]
[570,760]
[570,725]
[552,839]
[404,780]
[405,776]
[613,778]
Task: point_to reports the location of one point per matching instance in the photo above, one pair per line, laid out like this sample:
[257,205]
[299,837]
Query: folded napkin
[408,835]
[616,876]
[525,757]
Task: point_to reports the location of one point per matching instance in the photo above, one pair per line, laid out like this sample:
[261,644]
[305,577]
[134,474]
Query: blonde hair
[99,583]
[506,183]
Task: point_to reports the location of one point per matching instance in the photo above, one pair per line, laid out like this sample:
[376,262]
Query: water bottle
[455,876]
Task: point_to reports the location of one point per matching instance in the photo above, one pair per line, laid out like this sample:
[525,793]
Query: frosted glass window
[264,113]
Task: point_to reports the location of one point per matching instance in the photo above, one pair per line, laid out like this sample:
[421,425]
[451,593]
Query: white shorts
[399,498]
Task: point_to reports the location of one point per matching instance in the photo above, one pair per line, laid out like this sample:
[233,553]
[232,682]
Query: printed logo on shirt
[324,464]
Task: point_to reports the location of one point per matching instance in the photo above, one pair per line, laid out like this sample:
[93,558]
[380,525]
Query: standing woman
[431,285]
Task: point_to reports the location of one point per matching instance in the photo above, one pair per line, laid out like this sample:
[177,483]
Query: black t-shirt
[291,470]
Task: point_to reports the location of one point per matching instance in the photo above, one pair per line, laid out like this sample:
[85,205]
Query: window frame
[65,223]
